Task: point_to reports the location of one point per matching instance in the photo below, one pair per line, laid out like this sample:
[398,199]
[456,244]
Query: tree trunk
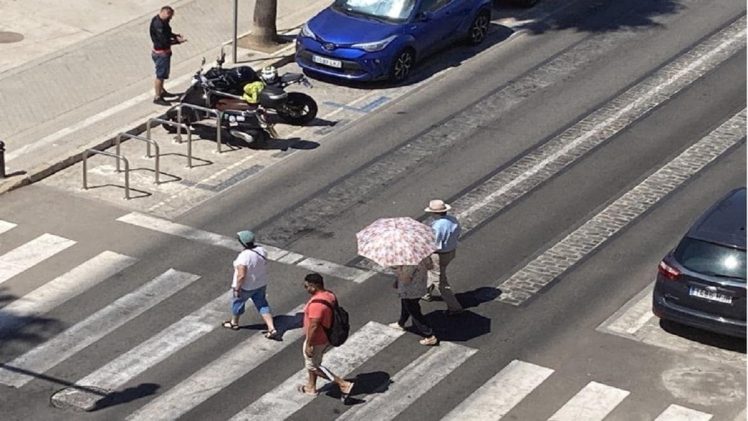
[263,22]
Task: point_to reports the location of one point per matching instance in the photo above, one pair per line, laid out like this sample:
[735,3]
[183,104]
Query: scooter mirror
[202,63]
[221,57]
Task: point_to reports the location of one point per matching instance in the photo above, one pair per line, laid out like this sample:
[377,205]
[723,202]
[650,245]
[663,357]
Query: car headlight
[306,32]
[376,45]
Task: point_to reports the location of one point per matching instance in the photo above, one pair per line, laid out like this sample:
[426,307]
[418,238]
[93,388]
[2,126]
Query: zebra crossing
[496,398]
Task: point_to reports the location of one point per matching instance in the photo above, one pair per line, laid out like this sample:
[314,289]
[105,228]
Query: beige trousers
[437,279]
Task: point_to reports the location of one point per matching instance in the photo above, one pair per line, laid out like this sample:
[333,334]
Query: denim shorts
[256,295]
[163,65]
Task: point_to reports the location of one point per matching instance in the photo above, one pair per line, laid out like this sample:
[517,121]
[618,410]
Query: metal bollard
[2,159]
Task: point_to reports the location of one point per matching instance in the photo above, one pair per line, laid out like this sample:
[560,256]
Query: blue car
[383,39]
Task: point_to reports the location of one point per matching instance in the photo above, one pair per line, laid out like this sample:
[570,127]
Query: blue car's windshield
[390,10]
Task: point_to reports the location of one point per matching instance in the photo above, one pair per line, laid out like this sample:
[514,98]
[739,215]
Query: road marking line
[284,400]
[680,413]
[593,402]
[274,253]
[501,393]
[632,316]
[223,371]
[63,288]
[28,366]
[6,226]
[411,383]
[149,353]
[542,270]
[538,166]
[60,134]
[30,254]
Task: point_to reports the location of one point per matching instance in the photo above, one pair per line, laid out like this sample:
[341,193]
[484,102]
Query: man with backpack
[322,318]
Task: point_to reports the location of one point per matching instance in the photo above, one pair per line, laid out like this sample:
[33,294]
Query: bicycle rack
[149,142]
[175,124]
[88,152]
[218,115]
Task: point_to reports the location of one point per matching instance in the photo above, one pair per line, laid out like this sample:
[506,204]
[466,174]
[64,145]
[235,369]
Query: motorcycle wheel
[299,109]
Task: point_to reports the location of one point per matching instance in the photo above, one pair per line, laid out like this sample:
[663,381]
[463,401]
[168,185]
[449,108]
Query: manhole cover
[81,398]
[10,37]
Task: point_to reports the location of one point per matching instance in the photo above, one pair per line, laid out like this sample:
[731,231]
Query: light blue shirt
[447,231]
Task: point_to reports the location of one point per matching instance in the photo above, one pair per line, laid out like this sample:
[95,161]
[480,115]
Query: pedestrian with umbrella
[405,245]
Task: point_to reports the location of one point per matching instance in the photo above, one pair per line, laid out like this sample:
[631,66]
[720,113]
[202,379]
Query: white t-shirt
[257,275]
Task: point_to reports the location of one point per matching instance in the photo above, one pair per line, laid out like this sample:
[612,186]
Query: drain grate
[10,37]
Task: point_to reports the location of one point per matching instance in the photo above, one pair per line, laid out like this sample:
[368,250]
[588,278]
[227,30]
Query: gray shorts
[163,65]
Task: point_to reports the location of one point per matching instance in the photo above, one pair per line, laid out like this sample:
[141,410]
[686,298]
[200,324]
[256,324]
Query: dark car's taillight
[668,271]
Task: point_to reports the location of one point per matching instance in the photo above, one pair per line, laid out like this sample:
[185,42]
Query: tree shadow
[597,17]
[704,337]
[18,331]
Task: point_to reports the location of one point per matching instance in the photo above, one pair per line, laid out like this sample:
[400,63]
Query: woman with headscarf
[411,286]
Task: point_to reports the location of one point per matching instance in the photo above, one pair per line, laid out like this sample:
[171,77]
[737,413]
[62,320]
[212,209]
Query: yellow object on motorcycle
[252,92]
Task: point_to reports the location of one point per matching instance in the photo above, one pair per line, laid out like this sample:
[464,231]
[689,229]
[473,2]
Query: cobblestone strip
[553,262]
[325,206]
[541,164]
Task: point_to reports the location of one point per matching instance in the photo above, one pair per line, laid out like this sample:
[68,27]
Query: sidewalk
[56,105]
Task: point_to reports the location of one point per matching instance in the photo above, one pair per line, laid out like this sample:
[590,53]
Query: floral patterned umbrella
[396,241]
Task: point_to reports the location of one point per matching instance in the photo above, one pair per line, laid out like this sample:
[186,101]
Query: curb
[43,171]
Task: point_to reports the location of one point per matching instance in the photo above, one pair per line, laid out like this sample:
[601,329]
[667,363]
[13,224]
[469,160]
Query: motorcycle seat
[291,77]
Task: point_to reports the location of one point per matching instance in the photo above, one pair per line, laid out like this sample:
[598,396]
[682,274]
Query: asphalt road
[606,109]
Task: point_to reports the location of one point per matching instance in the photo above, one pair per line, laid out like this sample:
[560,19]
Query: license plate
[710,295]
[327,61]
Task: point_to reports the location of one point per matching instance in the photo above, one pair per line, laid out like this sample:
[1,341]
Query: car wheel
[479,27]
[402,65]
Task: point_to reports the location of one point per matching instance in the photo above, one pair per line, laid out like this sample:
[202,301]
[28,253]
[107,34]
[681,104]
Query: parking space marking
[363,109]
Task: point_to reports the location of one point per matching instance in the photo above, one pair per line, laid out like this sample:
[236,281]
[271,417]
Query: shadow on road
[127,395]
[704,337]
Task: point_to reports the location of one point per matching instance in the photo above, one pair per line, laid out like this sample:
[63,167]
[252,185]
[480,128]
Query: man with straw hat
[447,231]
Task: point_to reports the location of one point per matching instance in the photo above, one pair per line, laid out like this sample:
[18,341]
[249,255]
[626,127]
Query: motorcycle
[250,124]
[295,108]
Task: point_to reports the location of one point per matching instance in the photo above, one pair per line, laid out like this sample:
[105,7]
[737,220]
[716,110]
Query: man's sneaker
[396,325]
[164,93]
[430,341]
[161,101]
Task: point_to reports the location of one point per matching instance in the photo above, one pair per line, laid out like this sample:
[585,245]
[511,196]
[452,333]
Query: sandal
[344,395]
[302,389]
[228,324]
[272,334]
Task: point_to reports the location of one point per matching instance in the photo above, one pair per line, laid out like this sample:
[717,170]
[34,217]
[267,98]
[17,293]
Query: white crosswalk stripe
[40,359]
[274,253]
[593,402]
[501,393]
[411,383]
[30,254]
[215,376]
[284,400]
[6,226]
[62,288]
[679,413]
[149,353]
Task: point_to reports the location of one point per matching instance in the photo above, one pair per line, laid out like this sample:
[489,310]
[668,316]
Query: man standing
[318,317]
[163,38]
[447,231]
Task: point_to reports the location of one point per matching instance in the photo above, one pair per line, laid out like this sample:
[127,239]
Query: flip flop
[302,389]
[228,325]
[273,334]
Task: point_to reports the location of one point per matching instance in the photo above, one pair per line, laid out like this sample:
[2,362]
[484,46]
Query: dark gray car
[701,282]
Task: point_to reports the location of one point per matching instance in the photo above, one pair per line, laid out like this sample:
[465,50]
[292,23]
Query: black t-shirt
[161,34]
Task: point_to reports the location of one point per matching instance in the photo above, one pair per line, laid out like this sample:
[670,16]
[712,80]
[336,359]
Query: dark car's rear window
[711,259]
